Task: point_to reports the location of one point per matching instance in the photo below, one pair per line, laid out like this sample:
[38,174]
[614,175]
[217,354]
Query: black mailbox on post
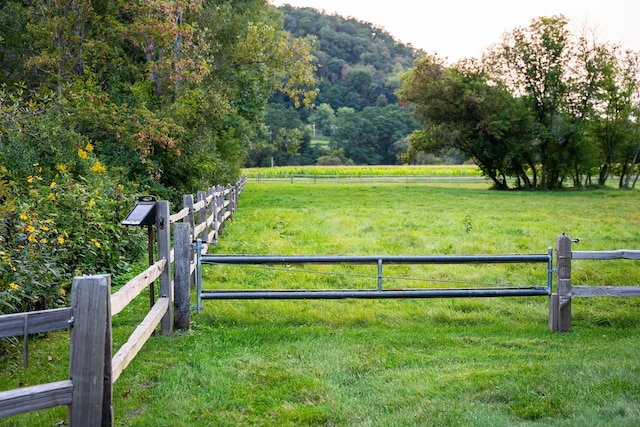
[143,213]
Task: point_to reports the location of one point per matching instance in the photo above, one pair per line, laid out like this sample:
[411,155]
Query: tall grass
[445,362]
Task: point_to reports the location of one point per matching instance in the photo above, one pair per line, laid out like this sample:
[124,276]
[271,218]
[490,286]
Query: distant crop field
[358,171]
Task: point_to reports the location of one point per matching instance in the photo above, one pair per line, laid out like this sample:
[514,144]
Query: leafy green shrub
[53,231]
[60,211]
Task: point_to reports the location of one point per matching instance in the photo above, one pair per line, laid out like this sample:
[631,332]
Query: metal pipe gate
[373,260]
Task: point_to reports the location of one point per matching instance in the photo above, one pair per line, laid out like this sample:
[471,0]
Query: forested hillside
[356,109]
[358,63]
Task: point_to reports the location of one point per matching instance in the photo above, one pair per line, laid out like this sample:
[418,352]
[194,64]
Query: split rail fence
[92,369]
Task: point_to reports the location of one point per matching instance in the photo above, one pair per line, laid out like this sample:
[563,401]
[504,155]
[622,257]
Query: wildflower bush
[60,213]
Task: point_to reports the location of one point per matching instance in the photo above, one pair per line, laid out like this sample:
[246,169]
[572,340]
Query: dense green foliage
[102,99]
[358,67]
[358,63]
[436,362]
[544,106]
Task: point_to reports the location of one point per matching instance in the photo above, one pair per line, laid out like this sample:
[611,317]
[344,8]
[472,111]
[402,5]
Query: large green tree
[459,107]
[577,89]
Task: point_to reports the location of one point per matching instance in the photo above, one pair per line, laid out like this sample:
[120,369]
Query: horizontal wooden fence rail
[606,255]
[29,399]
[93,370]
[138,338]
[36,322]
[605,291]
[33,322]
[121,298]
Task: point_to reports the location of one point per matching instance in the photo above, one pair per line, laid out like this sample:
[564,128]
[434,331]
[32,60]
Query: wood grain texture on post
[564,283]
[90,302]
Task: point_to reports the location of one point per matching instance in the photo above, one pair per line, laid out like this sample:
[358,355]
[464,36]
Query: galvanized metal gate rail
[372,260]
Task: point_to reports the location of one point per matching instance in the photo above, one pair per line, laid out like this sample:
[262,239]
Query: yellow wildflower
[31,228]
[82,154]
[51,197]
[31,238]
[91,203]
[62,168]
[52,185]
[61,240]
[95,242]
[98,168]
[44,241]
[89,147]
[24,216]
[44,228]
[14,286]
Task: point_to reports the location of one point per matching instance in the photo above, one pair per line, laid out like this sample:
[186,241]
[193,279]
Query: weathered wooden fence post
[210,235]
[234,198]
[202,215]
[231,203]
[187,201]
[560,301]
[90,359]
[182,274]
[191,220]
[163,225]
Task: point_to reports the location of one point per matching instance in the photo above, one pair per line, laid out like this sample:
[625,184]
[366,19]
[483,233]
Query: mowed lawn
[432,362]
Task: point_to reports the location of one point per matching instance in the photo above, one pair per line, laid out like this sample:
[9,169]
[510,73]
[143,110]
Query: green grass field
[432,362]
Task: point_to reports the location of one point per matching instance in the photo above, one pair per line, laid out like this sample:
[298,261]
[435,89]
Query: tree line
[542,108]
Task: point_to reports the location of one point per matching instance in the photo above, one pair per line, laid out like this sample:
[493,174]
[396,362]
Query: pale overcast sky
[456,29]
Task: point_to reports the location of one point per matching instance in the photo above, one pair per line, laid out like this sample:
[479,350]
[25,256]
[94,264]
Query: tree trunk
[177,46]
[632,166]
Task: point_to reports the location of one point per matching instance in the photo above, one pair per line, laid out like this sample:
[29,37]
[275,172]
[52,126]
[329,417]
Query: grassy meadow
[431,362]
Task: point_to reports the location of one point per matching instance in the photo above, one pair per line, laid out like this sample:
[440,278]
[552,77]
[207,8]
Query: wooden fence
[560,301]
[92,369]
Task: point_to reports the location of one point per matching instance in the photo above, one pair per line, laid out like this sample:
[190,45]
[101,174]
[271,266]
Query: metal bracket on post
[198,248]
